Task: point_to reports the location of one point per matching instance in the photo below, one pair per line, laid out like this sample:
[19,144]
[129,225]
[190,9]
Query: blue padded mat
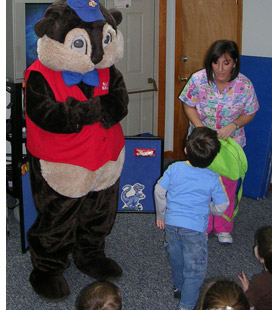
[142,169]
[259,131]
[28,211]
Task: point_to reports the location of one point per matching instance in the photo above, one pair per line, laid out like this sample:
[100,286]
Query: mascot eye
[79,43]
[107,39]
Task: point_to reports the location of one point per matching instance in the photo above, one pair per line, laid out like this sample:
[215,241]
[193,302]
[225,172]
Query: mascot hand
[84,112]
[115,104]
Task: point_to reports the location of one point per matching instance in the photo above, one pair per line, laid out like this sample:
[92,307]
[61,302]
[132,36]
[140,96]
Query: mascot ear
[58,19]
[43,25]
[117,15]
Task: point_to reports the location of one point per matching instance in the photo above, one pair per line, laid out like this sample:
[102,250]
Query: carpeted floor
[137,245]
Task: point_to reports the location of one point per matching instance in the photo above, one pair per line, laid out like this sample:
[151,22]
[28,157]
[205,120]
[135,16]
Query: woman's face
[222,69]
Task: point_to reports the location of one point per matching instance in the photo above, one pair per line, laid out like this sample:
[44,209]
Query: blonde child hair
[223,294]
[100,295]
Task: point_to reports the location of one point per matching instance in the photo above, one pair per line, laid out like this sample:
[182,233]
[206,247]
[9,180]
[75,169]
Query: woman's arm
[192,115]
[241,121]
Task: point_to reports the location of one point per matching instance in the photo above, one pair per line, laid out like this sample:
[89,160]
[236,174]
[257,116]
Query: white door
[137,65]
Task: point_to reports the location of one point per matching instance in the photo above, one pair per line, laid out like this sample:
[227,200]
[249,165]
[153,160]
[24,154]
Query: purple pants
[218,223]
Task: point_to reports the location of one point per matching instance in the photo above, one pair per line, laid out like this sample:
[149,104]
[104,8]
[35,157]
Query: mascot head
[79,36]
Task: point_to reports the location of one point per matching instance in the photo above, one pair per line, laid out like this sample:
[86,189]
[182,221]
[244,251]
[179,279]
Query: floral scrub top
[218,110]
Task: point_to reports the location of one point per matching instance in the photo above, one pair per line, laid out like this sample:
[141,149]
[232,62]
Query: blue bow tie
[72,78]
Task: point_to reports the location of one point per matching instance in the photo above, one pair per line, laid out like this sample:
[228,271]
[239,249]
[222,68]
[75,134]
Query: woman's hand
[225,132]
[242,120]
[160,224]
[244,281]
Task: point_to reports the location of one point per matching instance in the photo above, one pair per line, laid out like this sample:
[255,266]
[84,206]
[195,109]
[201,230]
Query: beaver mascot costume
[75,99]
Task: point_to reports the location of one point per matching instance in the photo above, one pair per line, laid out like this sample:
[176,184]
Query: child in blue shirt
[185,195]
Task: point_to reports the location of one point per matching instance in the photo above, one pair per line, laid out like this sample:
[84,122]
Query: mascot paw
[101,268]
[48,286]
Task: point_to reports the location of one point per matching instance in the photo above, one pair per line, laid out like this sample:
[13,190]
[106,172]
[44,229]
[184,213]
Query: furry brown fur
[76,206]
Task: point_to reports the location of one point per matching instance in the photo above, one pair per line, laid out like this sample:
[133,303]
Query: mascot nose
[96,58]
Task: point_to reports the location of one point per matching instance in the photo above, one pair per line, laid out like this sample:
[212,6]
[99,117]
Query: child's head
[224,295]
[263,247]
[202,146]
[102,295]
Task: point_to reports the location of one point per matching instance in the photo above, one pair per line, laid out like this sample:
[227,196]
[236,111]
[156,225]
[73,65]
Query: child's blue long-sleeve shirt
[183,196]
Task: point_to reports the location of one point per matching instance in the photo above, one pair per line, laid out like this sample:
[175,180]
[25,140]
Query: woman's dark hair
[202,146]
[263,240]
[223,293]
[216,50]
[103,295]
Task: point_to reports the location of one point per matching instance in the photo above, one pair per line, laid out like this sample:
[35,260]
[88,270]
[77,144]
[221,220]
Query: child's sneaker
[224,238]
[176,293]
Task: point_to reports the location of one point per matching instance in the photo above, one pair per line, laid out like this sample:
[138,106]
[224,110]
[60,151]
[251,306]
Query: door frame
[180,119]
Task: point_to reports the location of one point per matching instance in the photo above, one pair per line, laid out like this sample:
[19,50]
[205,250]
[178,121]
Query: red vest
[92,147]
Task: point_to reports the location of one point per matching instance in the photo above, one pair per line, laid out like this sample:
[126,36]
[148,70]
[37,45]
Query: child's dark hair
[102,295]
[223,293]
[263,240]
[202,146]
[216,50]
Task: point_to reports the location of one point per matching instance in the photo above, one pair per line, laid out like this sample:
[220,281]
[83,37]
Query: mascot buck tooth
[74,101]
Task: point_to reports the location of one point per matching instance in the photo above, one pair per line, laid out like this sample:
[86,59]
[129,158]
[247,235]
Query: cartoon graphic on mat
[131,195]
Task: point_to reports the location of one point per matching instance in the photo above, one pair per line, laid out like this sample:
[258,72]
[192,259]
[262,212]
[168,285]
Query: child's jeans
[188,256]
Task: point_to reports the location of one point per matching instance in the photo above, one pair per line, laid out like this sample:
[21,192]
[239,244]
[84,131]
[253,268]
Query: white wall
[170,75]
[257,26]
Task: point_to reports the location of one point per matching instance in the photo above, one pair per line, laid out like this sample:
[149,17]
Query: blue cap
[87,10]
